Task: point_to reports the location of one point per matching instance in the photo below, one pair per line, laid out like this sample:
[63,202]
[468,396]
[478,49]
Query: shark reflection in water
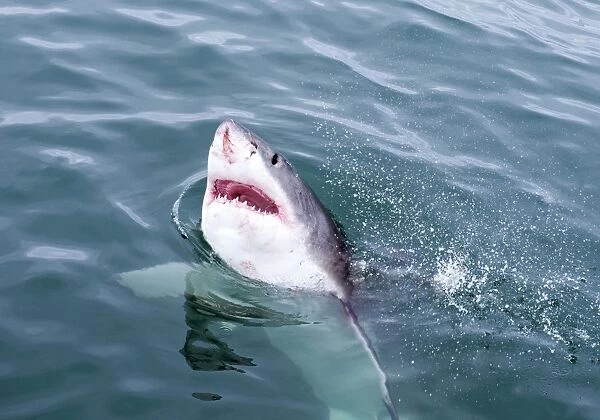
[203,349]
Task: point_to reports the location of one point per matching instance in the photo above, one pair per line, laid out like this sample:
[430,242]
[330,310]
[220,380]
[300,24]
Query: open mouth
[249,195]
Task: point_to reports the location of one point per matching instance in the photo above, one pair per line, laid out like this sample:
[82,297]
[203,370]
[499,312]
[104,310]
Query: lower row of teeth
[223,199]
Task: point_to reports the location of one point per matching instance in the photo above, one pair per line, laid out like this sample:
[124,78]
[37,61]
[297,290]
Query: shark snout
[234,140]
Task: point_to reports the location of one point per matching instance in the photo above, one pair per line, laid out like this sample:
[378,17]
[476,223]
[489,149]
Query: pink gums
[253,196]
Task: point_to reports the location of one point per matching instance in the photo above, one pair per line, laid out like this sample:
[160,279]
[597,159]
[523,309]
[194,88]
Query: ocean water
[456,142]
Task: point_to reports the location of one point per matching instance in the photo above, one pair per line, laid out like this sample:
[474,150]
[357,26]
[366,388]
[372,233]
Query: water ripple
[569,29]
[132,215]
[346,57]
[221,39]
[50,45]
[360,7]
[74,67]
[72,158]
[586,106]
[57,253]
[160,17]
[522,74]
[16,10]
[400,142]
[40,117]
[553,113]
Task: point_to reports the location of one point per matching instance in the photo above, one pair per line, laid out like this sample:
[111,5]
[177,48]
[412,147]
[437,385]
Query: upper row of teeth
[224,199]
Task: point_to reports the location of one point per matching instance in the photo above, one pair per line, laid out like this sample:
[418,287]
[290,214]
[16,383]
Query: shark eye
[275,159]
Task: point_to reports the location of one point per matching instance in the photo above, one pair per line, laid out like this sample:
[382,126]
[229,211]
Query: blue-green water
[457,143]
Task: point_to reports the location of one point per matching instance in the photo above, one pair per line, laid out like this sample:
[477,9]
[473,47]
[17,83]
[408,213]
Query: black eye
[275,159]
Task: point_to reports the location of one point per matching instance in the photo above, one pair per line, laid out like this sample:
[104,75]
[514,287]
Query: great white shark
[265,223]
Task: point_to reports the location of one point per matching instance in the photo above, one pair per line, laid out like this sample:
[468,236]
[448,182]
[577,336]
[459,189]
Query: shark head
[265,222]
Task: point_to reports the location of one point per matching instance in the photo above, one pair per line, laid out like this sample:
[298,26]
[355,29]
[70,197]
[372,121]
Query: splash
[453,278]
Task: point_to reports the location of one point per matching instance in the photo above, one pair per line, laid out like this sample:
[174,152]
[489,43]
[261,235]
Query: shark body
[263,221]
[267,224]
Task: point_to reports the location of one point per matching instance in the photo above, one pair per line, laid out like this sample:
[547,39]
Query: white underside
[260,246]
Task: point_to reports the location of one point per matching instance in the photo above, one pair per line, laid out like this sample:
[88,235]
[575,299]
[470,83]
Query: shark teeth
[223,199]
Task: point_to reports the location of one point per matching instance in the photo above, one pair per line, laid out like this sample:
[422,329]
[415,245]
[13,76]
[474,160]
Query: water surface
[457,143]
